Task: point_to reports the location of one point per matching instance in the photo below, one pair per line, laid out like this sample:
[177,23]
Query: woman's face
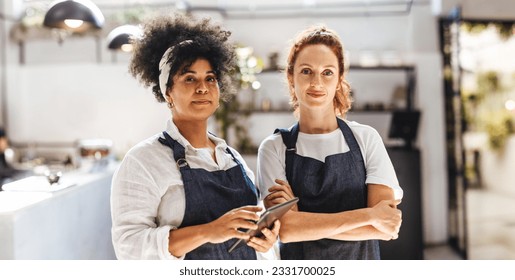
[195,92]
[315,77]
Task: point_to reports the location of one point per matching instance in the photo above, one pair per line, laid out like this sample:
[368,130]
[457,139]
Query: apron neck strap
[179,152]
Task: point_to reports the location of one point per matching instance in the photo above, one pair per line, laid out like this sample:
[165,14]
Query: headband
[165,66]
[321,33]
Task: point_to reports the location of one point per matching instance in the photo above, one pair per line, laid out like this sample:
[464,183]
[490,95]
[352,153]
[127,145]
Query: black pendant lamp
[119,39]
[74,15]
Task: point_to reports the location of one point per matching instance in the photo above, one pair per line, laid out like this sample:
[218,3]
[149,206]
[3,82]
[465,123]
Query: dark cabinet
[410,244]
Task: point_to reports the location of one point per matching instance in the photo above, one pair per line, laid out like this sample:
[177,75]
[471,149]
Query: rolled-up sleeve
[135,199]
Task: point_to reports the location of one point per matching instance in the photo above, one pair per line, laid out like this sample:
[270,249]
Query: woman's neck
[317,121]
[195,132]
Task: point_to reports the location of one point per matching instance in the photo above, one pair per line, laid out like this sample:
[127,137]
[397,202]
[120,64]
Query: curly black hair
[209,41]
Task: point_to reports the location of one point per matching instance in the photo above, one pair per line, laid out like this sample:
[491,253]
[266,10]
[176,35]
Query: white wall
[5,24]
[492,9]
[76,97]
[64,103]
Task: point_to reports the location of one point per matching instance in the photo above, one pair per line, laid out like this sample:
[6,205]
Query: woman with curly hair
[183,193]
[339,170]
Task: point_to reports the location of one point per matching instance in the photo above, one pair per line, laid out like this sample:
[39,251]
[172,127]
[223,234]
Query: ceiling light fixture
[74,15]
[120,37]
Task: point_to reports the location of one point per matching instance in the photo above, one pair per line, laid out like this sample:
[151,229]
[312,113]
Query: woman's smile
[316,93]
[202,102]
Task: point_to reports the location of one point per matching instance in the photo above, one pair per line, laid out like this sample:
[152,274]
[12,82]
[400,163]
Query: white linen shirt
[147,196]
[379,168]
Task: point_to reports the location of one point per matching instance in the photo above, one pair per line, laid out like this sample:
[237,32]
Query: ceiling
[271,8]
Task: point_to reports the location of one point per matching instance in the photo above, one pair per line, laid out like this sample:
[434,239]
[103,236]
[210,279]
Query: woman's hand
[278,194]
[387,218]
[264,243]
[226,227]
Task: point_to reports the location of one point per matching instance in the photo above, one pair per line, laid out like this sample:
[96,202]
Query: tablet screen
[267,219]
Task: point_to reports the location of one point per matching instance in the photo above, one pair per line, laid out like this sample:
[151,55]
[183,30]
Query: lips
[201,102]
[316,93]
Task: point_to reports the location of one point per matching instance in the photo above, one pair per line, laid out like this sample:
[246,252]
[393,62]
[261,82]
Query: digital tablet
[267,219]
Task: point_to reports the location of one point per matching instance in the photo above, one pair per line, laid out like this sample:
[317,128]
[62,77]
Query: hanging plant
[505,30]
[473,28]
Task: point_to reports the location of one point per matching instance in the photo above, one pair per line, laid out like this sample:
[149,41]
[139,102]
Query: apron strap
[290,141]
[179,154]
[247,179]
[351,141]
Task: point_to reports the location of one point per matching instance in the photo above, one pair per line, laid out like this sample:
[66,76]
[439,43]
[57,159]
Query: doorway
[479,79]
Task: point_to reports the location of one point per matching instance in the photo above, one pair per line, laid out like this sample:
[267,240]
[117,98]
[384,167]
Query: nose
[201,88]
[315,80]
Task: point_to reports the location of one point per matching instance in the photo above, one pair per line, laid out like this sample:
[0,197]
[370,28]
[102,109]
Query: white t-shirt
[379,168]
[147,196]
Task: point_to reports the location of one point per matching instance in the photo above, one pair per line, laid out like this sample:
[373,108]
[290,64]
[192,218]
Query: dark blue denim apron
[334,186]
[209,195]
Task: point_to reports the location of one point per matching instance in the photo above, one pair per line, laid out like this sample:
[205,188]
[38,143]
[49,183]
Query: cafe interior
[435,78]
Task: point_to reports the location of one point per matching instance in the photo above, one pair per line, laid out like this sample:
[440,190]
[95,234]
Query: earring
[170,104]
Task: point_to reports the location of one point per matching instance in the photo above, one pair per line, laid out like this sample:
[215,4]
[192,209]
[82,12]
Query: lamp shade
[74,15]
[120,37]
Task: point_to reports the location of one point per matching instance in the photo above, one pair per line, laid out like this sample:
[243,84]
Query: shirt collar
[173,131]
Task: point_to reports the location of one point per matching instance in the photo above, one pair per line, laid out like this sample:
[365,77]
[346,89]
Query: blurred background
[436,79]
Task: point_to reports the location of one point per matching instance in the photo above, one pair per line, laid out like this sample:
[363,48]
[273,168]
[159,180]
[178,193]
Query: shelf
[382,111]
[384,67]
[357,67]
[259,111]
[278,71]
[285,111]
[410,81]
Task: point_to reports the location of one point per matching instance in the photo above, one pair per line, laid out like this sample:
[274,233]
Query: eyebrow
[325,66]
[193,72]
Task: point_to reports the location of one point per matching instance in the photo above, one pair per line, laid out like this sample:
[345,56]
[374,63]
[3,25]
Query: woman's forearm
[304,226]
[384,218]
[361,233]
[184,240]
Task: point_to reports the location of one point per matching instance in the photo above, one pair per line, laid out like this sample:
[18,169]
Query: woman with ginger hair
[339,169]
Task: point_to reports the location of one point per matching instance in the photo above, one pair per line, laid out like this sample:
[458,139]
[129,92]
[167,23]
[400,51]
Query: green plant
[484,108]
[228,116]
[232,114]
[499,127]
[505,30]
